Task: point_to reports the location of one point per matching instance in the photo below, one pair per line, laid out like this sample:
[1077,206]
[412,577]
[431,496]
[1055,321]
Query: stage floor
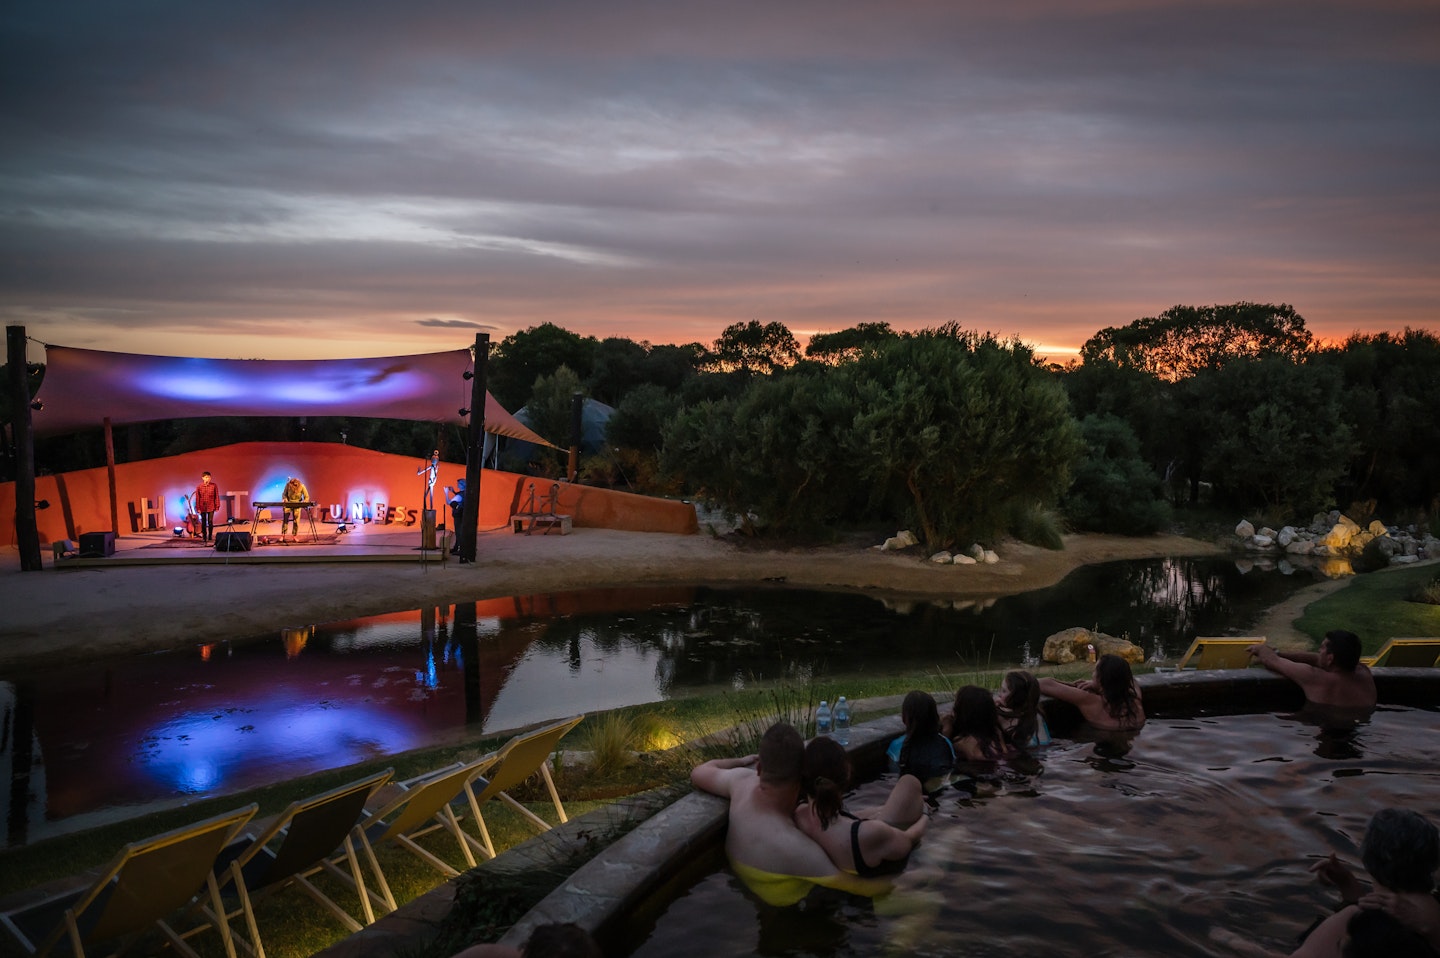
[361,543]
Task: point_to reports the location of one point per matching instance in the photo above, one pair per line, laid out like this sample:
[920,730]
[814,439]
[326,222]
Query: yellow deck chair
[149,882]
[1211,652]
[297,845]
[518,760]
[1406,654]
[422,807]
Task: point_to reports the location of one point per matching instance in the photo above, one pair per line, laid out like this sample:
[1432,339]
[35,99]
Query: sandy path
[130,608]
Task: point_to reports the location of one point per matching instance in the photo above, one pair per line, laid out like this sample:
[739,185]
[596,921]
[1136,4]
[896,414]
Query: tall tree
[526,355]
[1183,340]
[1275,433]
[755,347]
[963,427]
[847,345]
[1391,384]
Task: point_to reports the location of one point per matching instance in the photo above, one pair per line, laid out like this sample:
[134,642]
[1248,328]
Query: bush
[1038,526]
[1428,593]
[1114,489]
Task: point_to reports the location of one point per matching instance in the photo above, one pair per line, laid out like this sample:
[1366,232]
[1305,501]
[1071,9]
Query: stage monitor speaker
[97,545]
[232,542]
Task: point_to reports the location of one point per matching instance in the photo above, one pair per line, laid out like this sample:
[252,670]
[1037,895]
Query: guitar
[192,518]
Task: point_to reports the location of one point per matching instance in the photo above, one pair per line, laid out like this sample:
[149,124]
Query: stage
[363,542]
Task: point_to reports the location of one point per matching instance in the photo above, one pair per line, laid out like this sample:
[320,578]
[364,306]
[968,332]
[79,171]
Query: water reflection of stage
[167,728]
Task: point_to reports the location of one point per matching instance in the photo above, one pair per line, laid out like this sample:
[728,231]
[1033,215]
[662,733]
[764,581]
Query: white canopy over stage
[84,387]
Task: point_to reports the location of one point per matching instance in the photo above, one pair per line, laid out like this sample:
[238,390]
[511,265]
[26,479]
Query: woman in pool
[1018,702]
[974,726]
[922,751]
[862,846]
[1110,700]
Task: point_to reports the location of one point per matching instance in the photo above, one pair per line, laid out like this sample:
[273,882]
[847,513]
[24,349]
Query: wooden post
[577,421]
[470,510]
[110,474]
[27,533]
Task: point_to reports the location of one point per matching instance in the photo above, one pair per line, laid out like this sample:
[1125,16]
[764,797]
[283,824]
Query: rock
[976,552]
[1267,532]
[991,558]
[1300,547]
[1377,528]
[1260,543]
[1339,536]
[959,559]
[1285,536]
[1244,530]
[908,537]
[1068,645]
[894,544]
[942,558]
[1403,560]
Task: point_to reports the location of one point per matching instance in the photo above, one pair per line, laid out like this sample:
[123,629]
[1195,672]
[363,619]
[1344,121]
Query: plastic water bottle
[822,719]
[842,721]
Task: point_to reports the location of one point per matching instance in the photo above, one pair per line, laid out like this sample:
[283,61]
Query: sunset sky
[323,179]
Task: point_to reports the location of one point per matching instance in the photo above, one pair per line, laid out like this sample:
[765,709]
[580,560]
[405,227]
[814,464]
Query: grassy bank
[1377,607]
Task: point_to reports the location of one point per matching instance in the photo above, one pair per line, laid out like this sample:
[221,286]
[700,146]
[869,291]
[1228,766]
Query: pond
[117,736]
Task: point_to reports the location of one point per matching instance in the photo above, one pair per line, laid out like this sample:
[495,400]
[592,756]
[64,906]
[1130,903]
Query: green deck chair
[1210,652]
[518,760]
[1406,654]
[148,882]
[297,845]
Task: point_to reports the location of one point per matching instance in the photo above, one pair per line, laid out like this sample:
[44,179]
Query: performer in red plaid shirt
[207,500]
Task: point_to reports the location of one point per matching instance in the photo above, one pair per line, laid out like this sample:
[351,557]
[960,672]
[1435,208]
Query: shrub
[1428,593]
[1038,526]
[1114,489]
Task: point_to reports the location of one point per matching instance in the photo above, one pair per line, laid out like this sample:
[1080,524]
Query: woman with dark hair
[1018,702]
[862,846]
[974,726]
[922,751]
[1109,700]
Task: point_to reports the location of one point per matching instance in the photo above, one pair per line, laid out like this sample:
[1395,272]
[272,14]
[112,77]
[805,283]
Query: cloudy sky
[309,179]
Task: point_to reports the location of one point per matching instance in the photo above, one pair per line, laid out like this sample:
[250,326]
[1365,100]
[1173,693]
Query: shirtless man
[1333,676]
[774,858]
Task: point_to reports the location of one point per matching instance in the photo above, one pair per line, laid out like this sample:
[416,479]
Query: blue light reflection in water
[225,717]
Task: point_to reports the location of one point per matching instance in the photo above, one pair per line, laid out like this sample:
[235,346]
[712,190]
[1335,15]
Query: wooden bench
[529,522]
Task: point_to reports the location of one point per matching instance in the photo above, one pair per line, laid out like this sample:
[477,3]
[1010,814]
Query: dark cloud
[648,169]
[453,324]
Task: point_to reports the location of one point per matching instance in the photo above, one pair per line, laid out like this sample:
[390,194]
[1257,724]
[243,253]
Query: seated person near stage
[922,751]
[1334,676]
[295,491]
[766,850]
[876,844]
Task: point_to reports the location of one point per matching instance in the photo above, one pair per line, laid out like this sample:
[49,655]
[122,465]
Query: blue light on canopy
[84,387]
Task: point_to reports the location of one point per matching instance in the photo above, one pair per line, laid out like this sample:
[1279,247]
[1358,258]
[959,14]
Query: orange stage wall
[335,474]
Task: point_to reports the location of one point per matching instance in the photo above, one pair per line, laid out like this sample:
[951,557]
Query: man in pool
[767,851]
[1334,676]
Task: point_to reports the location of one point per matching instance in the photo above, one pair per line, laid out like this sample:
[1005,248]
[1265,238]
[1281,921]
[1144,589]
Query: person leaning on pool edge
[1333,676]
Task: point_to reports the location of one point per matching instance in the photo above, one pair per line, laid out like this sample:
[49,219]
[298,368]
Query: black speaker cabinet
[232,542]
[97,545]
